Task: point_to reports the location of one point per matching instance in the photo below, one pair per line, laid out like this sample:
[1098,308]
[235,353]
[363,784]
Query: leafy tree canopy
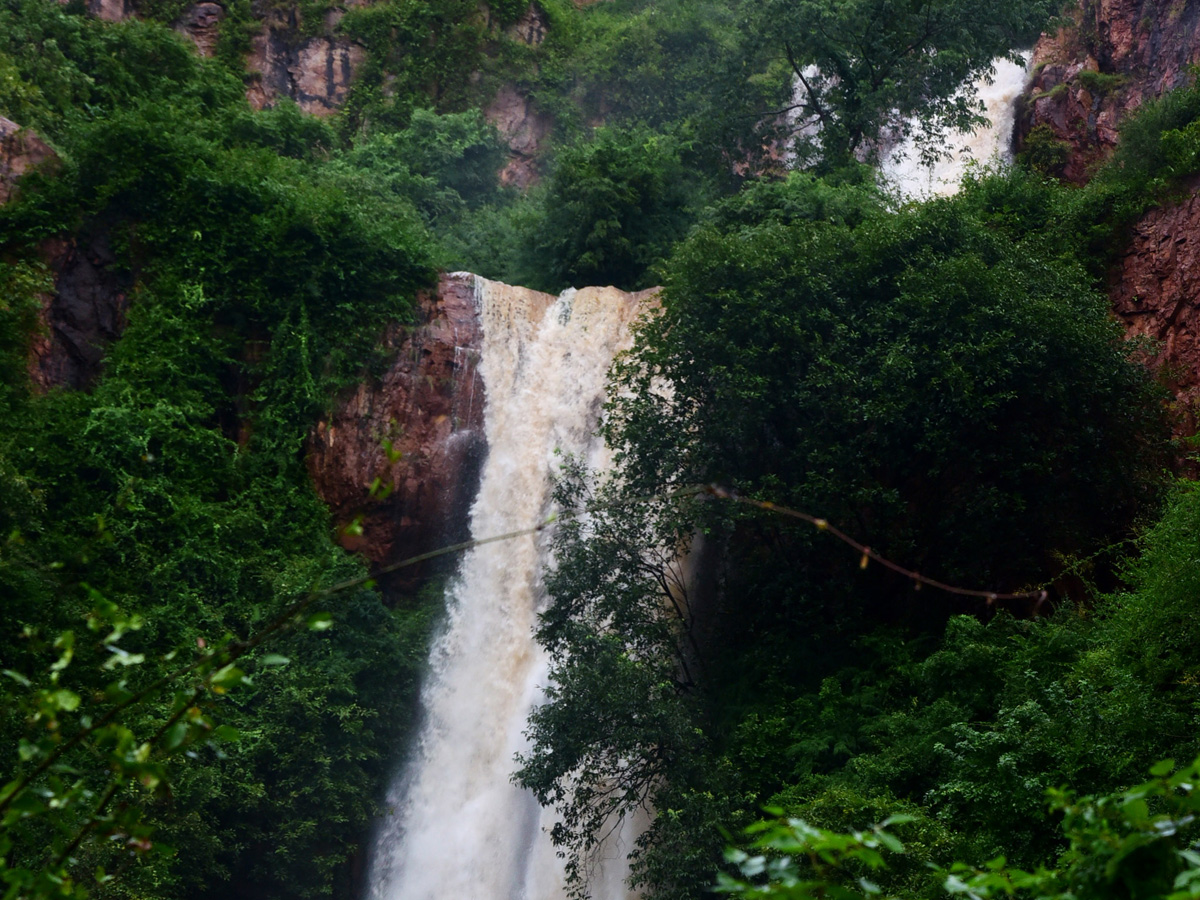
[888,371]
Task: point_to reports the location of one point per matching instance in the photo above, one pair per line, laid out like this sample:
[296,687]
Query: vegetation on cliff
[940,379]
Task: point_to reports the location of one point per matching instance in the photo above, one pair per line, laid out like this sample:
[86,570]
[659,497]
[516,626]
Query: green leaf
[226,733]
[320,621]
[63,699]
[121,657]
[226,677]
[17,677]
[1162,768]
[175,736]
[274,659]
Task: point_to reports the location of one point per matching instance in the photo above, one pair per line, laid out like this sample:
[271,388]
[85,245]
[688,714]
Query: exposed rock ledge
[21,150]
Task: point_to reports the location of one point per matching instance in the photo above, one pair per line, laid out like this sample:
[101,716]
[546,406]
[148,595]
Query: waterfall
[459,828]
[901,166]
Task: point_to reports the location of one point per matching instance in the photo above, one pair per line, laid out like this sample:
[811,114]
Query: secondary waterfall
[460,829]
[902,168]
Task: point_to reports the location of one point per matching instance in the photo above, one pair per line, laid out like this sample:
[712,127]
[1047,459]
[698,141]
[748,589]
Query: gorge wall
[418,429]
[1089,75]
[1087,78]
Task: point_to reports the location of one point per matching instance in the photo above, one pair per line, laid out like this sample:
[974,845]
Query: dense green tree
[173,487]
[956,400]
[611,209]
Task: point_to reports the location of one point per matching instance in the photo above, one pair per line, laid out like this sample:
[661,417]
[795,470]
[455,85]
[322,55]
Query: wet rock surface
[418,429]
[316,72]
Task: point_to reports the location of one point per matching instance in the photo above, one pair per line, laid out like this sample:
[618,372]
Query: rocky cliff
[82,315]
[1090,74]
[1088,77]
[1155,290]
[415,433]
[316,72]
[21,151]
[85,311]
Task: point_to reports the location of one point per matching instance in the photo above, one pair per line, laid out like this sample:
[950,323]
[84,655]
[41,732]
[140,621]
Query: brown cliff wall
[1155,290]
[317,72]
[1089,75]
[418,429]
[1088,78]
[85,311]
[82,316]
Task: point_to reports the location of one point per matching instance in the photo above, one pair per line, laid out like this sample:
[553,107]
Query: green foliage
[1100,83]
[1043,152]
[57,65]
[886,370]
[800,197]
[612,208]
[880,365]
[1158,150]
[421,54]
[806,863]
[175,489]
[941,381]
[445,165]
[1136,843]
[650,64]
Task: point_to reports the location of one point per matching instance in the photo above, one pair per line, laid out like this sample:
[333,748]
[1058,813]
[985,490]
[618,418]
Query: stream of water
[460,830]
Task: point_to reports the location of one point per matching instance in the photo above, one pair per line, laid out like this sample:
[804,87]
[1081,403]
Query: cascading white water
[902,167]
[460,830]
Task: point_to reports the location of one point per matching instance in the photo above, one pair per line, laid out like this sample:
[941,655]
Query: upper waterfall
[901,166]
[460,828]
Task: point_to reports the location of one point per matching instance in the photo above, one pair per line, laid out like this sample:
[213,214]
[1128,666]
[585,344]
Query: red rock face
[418,429]
[20,150]
[1089,76]
[316,72]
[524,129]
[1155,290]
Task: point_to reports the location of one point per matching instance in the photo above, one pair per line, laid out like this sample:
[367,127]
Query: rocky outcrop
[111,10]
[416,433]
[1089,75]
[316,72]
[20,151]
[85,311]
[1155,290]
[1088,78]
[82,316]
[531,28]
[524,129]
[201,22]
